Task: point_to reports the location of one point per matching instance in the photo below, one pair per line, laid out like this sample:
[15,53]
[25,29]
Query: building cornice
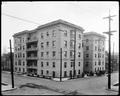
[49,24]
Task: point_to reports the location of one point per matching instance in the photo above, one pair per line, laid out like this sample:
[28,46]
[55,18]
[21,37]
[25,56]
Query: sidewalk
[7,87]
[103,91]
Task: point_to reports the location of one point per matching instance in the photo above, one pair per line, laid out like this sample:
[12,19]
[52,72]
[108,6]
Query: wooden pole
[11,58]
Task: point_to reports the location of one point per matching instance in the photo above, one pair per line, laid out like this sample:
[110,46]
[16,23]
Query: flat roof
[49,24]
[93,33]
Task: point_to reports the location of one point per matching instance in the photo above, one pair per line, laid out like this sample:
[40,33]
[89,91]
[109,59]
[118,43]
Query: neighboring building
[41,49]
[94,52]
[5,62]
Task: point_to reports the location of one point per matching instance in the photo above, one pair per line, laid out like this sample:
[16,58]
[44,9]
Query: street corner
[7,87]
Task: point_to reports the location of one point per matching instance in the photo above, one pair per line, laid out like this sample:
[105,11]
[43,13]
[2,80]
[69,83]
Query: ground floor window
[53,73]
[15,68]
[65,73]
[70,73]
[78,71]
[19,69]
[41,72]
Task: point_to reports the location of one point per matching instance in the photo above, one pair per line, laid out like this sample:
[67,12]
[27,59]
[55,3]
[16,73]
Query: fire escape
[31,53]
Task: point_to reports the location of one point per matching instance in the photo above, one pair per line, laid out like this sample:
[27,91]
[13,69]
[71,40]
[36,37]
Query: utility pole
[11,58]
[60,64]
[113,59]
[109,34]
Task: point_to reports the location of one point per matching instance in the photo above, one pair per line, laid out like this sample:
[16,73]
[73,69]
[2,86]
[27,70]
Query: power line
[20,18]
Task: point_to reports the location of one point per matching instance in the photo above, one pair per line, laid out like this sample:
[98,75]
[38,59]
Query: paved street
[91,85]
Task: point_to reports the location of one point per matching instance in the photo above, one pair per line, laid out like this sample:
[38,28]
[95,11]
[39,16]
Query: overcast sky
[88,15]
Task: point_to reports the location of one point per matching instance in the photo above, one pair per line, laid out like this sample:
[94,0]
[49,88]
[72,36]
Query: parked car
[115,87]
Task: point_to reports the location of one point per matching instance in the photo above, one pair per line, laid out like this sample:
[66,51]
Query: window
[65,43]
[95,69]
[65,64]
[42,53]
[20,47]
[20,54]
[65,73]
[47,34]
[72,32]
[15,68]
[47,72]
[42,45]
[41,64]
[78,63]
[71,43]
[47,43]
[53,74]
[65,33]
[19,62]
[87,55]
[65,53]
[87,64]
[72,64]
[79,36]
[53,64]
[41,72]
[15,55]
[79,54]
[99,63]
[71,53]
[42,35]
[79,45]
[95,63]
[99,55]
[78,71]
[23,47]
[23,63]
[53,43]
[16,63]
[47,63]
[87,40]
[53,33]
[103,63]
[47,53]
[19,69]
[95,48]
[15,48]
[95,55]
[23,55]
[54,53]
[87,47]
[23,40]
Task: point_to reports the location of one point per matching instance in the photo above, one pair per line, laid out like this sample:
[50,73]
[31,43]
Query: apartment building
[94,52]
[38,51]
